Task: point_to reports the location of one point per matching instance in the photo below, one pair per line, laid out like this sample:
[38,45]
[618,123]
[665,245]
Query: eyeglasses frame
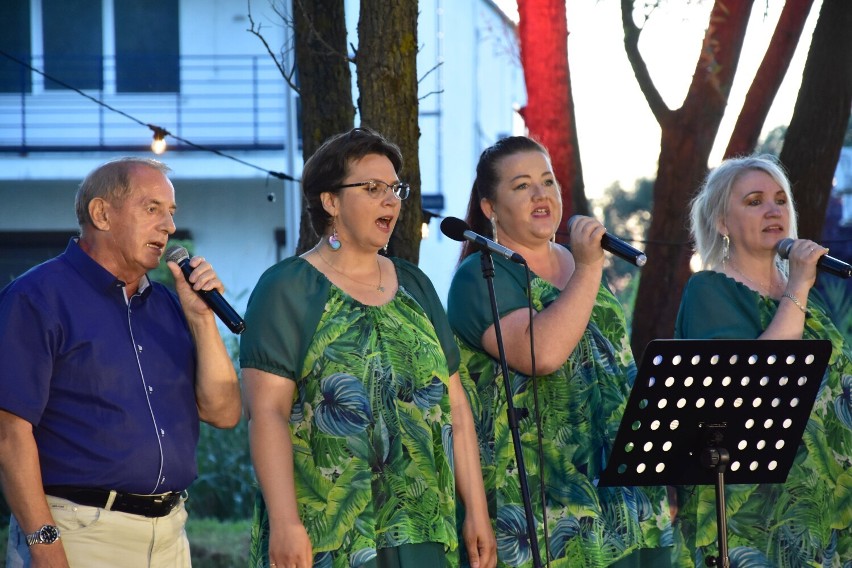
[395,188]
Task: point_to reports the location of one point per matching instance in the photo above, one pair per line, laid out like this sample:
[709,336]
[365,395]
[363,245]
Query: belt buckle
[162,505]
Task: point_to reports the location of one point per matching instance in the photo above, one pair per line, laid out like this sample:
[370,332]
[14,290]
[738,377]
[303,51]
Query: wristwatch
[48,534]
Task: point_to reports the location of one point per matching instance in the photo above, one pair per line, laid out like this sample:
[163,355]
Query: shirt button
[150,389]
[162,432]
[139,347]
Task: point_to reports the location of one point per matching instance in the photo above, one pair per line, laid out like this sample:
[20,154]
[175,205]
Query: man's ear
[99,213]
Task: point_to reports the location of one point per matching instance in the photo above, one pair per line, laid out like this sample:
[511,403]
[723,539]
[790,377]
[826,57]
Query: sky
[619,137]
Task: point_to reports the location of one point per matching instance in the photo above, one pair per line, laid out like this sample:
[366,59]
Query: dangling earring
[494,229]
[385,248]
[726,249]
[333,239]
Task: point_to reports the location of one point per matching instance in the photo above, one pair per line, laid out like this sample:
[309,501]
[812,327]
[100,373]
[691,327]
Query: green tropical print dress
[370,423]
[807,521]
[580,405]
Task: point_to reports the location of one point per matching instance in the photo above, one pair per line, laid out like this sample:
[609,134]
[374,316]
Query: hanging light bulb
[158,145]
[424,228]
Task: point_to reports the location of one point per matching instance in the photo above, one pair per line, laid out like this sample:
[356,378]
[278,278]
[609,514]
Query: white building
[192,68]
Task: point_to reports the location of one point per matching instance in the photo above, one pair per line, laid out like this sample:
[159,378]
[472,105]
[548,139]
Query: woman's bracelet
[796,301]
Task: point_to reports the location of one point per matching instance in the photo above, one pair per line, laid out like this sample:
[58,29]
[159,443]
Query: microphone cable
[537,418]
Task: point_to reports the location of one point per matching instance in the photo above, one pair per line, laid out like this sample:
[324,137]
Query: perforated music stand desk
[707,412]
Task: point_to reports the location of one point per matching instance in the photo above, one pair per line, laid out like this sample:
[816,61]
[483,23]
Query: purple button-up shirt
[107,382]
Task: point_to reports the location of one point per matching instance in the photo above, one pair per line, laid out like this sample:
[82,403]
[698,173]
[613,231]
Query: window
[15,40]
[146,46]
[73,43]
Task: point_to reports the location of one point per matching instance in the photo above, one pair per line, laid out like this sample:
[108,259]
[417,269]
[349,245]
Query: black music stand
[703,409]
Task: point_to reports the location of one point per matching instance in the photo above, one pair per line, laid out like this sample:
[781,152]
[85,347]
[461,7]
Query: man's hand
[202,277]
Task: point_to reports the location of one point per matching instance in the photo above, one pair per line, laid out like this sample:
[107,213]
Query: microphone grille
[176,253]
[783,247]
[454,228]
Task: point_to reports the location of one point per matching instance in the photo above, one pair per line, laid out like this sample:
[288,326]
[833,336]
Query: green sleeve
[283,312]
[418,284]
[469,304]
[714,306]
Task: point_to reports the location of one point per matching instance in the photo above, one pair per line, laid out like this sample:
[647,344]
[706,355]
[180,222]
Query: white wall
[482,82]
[224,204]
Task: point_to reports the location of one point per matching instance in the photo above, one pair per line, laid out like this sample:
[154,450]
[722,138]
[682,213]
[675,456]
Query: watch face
[48,534]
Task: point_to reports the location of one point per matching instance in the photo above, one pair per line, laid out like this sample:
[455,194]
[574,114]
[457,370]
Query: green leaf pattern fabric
[371,435]
[807,521]
[581,406]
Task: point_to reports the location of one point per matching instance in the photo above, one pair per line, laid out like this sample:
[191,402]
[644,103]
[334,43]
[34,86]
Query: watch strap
[47,534]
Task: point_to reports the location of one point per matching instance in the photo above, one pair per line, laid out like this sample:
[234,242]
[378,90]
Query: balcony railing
[223,102]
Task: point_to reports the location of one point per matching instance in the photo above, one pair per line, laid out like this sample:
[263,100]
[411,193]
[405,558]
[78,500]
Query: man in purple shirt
[104,376]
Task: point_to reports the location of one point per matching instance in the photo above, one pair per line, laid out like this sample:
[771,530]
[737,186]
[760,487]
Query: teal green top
[806,521]
[581,406]
[370,424]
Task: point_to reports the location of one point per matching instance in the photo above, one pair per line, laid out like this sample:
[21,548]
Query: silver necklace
[758,287]
[379,287]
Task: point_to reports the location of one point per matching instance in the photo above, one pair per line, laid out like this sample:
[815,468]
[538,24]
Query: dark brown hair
[485,184]
[326,169]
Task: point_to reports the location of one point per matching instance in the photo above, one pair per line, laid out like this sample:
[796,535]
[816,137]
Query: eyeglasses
[377,189]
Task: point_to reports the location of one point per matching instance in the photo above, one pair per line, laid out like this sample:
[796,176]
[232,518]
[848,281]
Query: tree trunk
[325,83]
[687,139]
[387,83]
[768,78]
[549,112]
[815,135]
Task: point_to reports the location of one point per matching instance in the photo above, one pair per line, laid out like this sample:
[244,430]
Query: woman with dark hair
[744,208]
[360,431]
[584,367]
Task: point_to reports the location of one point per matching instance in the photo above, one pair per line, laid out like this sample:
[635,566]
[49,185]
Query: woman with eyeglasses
[360,431]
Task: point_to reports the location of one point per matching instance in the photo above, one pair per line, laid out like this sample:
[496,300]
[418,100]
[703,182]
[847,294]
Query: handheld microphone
[619,248]
[212,298]
[825,262]
[458,230]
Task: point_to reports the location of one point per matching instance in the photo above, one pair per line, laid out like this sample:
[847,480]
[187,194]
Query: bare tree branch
[426,74]
[255,29]
[640,70]
[430,93]
[768,78]
[319,37]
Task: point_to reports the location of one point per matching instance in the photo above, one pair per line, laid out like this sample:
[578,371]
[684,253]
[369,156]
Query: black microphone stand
[488,273]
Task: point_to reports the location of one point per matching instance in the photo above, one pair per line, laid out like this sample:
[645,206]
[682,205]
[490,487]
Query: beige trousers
[97,538]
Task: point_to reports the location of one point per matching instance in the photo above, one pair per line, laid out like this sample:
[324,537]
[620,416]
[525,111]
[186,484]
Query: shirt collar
[98,276]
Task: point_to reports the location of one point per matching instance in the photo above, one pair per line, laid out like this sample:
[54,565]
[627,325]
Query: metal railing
[222,102]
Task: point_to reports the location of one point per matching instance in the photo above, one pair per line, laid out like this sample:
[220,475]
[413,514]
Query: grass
[218,544]
[213,543]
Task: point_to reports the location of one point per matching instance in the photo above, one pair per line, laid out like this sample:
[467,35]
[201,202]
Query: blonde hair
[710,205]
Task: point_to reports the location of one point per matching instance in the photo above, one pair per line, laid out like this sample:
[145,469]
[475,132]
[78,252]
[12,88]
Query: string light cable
[158,145]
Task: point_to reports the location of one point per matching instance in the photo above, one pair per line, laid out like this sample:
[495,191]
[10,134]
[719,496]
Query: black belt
[145,505]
